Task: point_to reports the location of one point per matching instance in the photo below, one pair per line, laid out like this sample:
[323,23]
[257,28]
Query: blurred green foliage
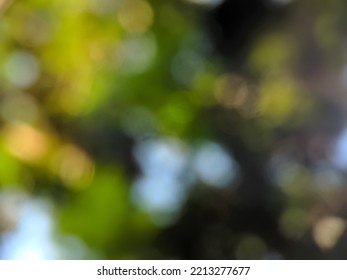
[84,84]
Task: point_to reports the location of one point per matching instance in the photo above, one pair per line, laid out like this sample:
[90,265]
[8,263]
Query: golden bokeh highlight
[328,231]
[231,91]
[73,166]
[26,142]
[135,16]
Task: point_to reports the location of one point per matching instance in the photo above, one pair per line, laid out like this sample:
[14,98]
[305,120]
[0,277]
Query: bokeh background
[168,129]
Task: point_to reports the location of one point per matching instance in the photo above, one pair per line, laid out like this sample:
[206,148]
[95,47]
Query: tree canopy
[196,129]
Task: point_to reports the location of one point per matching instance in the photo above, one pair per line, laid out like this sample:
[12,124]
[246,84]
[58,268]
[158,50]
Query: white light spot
[158,194]
[339,156]
[22,69]
[214,166]
[32,234]
[161,190]
[31,239]
[158,157]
